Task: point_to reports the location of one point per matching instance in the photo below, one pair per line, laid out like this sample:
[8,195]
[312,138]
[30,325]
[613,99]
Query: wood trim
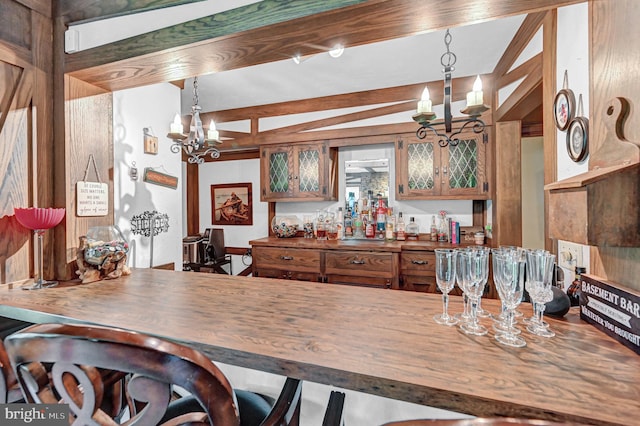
[507,205]
[523,36]
[167,266]
[550,29]
[193,199]
[128,64]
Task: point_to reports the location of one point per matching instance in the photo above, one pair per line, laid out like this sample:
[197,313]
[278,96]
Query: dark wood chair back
[74,364]
[482,421]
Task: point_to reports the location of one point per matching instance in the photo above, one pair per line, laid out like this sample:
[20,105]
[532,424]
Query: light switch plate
[569,255]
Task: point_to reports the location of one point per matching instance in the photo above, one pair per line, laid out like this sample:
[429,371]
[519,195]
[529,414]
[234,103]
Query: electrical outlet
[569,255]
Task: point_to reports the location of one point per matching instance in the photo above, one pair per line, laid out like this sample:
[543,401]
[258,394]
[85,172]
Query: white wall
[573,56]
[233,172]
[134,109]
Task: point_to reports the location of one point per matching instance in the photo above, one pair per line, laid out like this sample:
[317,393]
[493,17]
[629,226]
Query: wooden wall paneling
[88,132]
[16,248]
[193,199]
[614,45]
[549,37]
[15,25]
[507,205]
[141,60]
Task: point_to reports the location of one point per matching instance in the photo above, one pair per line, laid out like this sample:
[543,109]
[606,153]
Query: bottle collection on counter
[372,218]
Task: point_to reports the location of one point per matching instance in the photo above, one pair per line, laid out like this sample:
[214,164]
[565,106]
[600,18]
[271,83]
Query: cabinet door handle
[444,170]
[420,262]
[357,262]
[286,257]
[437,171]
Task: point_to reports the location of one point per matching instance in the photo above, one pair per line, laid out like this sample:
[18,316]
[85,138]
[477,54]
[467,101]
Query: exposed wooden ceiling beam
[113,68]
[82,11]
[533,64]
[520,103]
[223,24]
[527,30]
[461,86]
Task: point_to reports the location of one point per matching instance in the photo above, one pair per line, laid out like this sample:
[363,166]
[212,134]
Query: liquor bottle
[351,202]
[575,288]
[400,228]
[389,231]
[413,230]
[381,217]
[370,226]
[348,224]
[340,224]
[434,229]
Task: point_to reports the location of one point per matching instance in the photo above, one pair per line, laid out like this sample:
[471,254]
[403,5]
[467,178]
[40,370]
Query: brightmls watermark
[34,414]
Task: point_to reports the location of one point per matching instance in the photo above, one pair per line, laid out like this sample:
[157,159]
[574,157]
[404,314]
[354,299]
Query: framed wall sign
[578,139]
[231,204]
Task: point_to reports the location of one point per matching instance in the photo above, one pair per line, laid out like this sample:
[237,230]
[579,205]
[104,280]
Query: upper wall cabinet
[298,172]
[424,170]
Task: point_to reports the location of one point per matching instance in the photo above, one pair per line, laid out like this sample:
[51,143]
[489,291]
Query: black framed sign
[564,108]
[578,139]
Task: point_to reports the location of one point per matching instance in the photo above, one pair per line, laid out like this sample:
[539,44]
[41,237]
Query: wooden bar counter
[365,339]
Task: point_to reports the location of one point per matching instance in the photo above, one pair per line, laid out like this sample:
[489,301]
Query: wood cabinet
[299,172]
[366,268]
[287,263]
[418,272]
[425,170]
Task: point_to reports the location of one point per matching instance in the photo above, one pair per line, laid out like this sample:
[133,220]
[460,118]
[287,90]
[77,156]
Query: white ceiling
[391,63]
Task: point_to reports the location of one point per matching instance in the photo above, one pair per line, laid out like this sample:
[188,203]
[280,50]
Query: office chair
[83,365]
[216,252]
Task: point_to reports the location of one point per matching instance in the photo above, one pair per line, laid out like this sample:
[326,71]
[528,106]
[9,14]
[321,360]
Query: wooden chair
[481,421]
[333,413]
[78,364]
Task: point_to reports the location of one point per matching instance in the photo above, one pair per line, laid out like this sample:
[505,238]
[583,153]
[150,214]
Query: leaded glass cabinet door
[417,168]
[464,167]
[308,174]
[276,172]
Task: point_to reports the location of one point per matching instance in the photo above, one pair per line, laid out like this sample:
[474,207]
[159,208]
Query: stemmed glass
[540,266]
[509,274]
[445,279]
[476,273]
[39,220]
[482,312]
[461,280]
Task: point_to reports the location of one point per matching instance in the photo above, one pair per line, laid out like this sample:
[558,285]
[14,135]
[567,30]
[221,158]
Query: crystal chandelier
[195,145]
[475,106]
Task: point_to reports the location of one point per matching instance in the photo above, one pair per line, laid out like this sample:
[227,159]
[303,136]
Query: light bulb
[424,104]
[477,85]
[337,51]
[176,126]
[212,133]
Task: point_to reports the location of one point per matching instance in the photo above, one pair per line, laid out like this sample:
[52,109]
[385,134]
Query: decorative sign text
[612,310]
[158,178]
[92,199]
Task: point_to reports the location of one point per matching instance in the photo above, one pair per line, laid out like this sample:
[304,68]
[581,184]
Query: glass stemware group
[514,270]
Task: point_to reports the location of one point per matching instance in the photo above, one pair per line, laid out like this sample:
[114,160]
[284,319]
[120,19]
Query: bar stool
[94,368]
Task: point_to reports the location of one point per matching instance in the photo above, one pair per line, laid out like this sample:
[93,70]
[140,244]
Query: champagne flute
[445,279]
[477,264]
[510,270]
[542,294]
[461,280]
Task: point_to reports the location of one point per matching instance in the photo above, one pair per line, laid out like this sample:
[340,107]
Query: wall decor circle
[564,106]
[578,139]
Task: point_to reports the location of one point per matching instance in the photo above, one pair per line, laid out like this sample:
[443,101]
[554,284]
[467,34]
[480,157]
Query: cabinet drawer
[423,262]
[359,263]
[424,284]
[287,259]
